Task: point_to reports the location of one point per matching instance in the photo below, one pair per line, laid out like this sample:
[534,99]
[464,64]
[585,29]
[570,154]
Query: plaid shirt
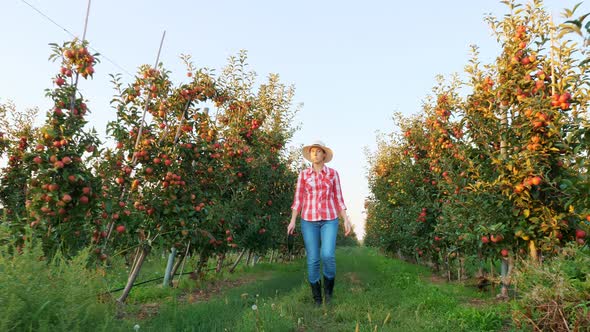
[318,195]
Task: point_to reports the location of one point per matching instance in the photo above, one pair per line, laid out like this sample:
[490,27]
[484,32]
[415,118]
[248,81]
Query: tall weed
[56,295]
[555,295]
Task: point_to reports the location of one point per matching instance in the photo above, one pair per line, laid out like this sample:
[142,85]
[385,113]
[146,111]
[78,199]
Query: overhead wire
[74,36]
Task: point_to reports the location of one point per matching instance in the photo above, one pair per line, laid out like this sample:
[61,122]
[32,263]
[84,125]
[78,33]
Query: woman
[319,198]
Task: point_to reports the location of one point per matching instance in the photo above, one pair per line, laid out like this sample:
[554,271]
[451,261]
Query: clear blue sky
[353,63]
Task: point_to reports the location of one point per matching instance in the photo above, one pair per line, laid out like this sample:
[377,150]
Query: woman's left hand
[347,226]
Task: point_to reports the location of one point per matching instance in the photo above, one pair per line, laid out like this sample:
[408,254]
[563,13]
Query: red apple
[536,180]
[485,239]
[496,238]
[120,228]
[59,81]
[580,234]
[504,252]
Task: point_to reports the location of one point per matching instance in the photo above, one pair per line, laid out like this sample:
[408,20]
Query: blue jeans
[314,233]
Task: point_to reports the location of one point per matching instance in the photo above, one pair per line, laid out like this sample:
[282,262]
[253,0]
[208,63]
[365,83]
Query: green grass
[372,292]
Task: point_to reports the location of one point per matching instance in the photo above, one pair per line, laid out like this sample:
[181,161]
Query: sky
[353,63]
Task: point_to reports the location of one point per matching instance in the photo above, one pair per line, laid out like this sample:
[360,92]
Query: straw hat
[321,145]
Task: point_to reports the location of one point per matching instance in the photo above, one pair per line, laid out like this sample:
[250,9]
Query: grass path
[372,293]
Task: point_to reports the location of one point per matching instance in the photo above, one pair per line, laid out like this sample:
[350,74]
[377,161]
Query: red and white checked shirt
[318,195]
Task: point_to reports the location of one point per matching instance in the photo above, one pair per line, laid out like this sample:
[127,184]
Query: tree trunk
[462,273]
[448,263]
[176,266]
[220,259]
[507,266]
[139,259]
[203,258]
[130,260]
[231,270]
[480,272]
[249,259]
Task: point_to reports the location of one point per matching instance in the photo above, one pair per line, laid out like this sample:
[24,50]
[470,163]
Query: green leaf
[565,183]
[108,206]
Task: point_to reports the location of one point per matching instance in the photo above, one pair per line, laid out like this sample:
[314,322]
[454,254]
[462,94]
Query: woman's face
[317,155]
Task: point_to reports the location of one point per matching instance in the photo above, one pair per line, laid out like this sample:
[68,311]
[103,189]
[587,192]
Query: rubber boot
[328,289]
[316,291]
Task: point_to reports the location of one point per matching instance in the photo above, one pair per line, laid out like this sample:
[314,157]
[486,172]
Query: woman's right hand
[291,228]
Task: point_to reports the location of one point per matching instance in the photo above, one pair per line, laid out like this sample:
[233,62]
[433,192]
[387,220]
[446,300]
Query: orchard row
[500,170]
[200,166]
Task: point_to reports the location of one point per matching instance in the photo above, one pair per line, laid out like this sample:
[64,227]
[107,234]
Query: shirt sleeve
[338,193]
[298,199]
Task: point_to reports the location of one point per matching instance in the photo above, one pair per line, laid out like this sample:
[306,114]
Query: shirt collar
[323,171]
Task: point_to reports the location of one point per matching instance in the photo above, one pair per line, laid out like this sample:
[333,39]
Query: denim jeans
[320,243]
